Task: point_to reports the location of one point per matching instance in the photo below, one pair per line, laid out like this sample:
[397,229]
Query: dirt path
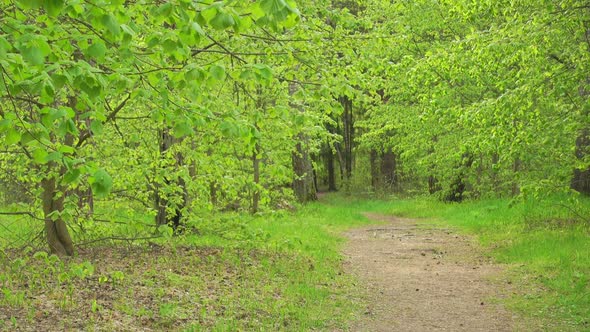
[423,278]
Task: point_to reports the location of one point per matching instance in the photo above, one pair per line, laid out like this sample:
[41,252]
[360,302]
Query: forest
[204,157]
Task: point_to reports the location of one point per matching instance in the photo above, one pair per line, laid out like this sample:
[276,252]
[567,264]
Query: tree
[70,69]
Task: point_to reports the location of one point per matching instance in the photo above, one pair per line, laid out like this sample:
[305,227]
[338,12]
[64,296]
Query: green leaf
[207,14]
[12,136]
[54,156]
[183,128]
[4,47]
[101,183]
[229,129]
[27,138]
[170,45]
[273,6]
[217,72]
[196,27]
[247,74]
[111,24]
[128,30]
[52,114]
[222,21]
[91,87]
[66,149]
[71,127]
[96,127]
[72,176]
[264,71]
[5,124]
[165,10]
[53,7]
[58,81]
[40,156]
[31,4]
[47,93]
[33,55]
[195,75]
[97,50]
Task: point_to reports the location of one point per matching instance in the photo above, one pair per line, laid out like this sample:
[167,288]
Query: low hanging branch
[30,214]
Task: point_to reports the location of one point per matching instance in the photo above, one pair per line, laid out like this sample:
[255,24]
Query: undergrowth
[226,272]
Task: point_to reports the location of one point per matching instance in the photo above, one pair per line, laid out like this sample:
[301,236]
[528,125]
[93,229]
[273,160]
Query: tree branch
[86,135]
[30,214]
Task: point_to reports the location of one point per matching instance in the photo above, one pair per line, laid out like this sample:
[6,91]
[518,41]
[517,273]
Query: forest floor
[475,266]
[421,277]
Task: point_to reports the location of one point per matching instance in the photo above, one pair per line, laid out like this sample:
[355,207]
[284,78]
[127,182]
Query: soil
[421,277]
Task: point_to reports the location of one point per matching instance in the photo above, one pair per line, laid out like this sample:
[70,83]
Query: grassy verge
[273,272]
[547,248]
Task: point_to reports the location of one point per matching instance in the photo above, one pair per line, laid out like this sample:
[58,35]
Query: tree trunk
[56,230]
[515,169]
[85,199]
[330,169]
[213,193]
[495,178]
[163,217]
[389,169]
[303,185]
[375,176]
[256,178]
[433,185]
[459,185]
[348,135]
[581,177]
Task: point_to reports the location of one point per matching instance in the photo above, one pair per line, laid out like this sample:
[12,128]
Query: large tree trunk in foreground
[56,230]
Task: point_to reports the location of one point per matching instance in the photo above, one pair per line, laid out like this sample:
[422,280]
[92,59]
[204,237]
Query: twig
[116,238]
[574,212]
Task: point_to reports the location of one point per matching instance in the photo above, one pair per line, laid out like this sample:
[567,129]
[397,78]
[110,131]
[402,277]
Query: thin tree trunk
[348,135]
[256,178]
[373,160]
[163,217]
[303,185]
[515,169]
[213,193]
[330,169]
[56,230]
[495,180]
[581,177]
[433,185]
